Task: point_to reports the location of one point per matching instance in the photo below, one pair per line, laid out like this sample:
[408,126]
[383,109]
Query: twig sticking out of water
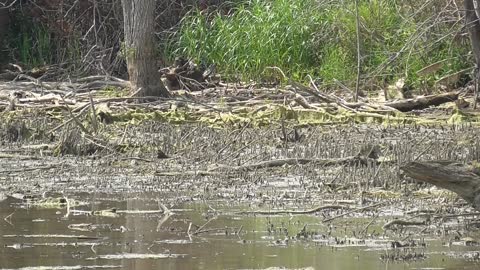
[200,229]
[166,215]
[8,218]
[188,231]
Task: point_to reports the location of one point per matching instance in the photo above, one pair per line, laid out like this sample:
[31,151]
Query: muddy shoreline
[163,153]
[171,172]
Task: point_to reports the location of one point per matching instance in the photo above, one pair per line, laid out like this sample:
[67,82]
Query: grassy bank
[245,37]
[318,38]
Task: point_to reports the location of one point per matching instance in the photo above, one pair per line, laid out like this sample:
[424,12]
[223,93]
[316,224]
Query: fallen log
[459,178]
[401,222]
[422,102]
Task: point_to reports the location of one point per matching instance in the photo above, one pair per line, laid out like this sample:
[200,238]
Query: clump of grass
[72,143]
[394,43]
[256,34]
[14,131]
[33,46]
[319,38]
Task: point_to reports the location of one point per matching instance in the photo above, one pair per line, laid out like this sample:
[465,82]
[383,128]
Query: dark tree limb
[459,178]
[296,161]
[401,222]
[293,212]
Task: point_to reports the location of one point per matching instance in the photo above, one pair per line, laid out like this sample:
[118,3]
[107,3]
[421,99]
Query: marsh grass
[32,44]
[318,38]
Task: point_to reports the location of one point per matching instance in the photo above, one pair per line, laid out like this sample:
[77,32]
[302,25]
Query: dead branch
[102,84]
[224,229]
[401,222]
[99,78]
[18,157]
[199,230]
[322,96]
[296,161]
[354,211]
[186,173]
[94,114]
[31,169]
[47,98]
[293,212]
[422,102]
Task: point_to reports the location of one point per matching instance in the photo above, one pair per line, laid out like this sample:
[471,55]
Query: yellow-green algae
[256,116]
[56,202]
[461,117]
[270,114]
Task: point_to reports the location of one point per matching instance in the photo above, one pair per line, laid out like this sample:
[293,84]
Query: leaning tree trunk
[472,14]
[459,178]
[139,20]
[473,26]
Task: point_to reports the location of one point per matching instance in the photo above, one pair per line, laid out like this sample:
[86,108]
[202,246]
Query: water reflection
[35,237]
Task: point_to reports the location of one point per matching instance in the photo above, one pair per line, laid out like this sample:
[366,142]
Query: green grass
[318,38]
[257,34]
[33,44]
[33,47]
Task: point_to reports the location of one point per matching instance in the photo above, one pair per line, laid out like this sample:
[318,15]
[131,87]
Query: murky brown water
[205,232]
[35,238]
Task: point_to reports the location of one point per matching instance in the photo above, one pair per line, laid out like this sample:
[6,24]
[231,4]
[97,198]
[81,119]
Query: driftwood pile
[197,89]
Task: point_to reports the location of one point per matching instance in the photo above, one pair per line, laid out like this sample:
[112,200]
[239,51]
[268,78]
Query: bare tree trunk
[473,26]
[139,19]
[459,178]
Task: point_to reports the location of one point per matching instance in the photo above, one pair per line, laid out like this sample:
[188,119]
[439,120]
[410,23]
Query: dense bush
[82,37]
[318,38]
[244,37]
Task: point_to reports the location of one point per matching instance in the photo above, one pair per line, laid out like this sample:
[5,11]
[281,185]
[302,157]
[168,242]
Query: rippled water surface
[197,236]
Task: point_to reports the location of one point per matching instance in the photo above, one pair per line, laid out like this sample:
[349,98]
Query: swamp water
[139,236]
[206,229]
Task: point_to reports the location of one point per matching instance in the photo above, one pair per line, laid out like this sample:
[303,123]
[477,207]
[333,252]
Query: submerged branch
[293,212]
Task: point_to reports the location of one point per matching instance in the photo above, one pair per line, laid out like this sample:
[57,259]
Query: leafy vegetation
[30,43]
[318,38]
[33,44]
[310,37]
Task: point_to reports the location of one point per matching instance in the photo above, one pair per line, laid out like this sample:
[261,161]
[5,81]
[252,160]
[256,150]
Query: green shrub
[33,44]
[29,43]
[319,38]
[256,34]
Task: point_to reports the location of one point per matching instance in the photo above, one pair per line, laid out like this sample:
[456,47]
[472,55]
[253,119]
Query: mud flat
[193,196]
